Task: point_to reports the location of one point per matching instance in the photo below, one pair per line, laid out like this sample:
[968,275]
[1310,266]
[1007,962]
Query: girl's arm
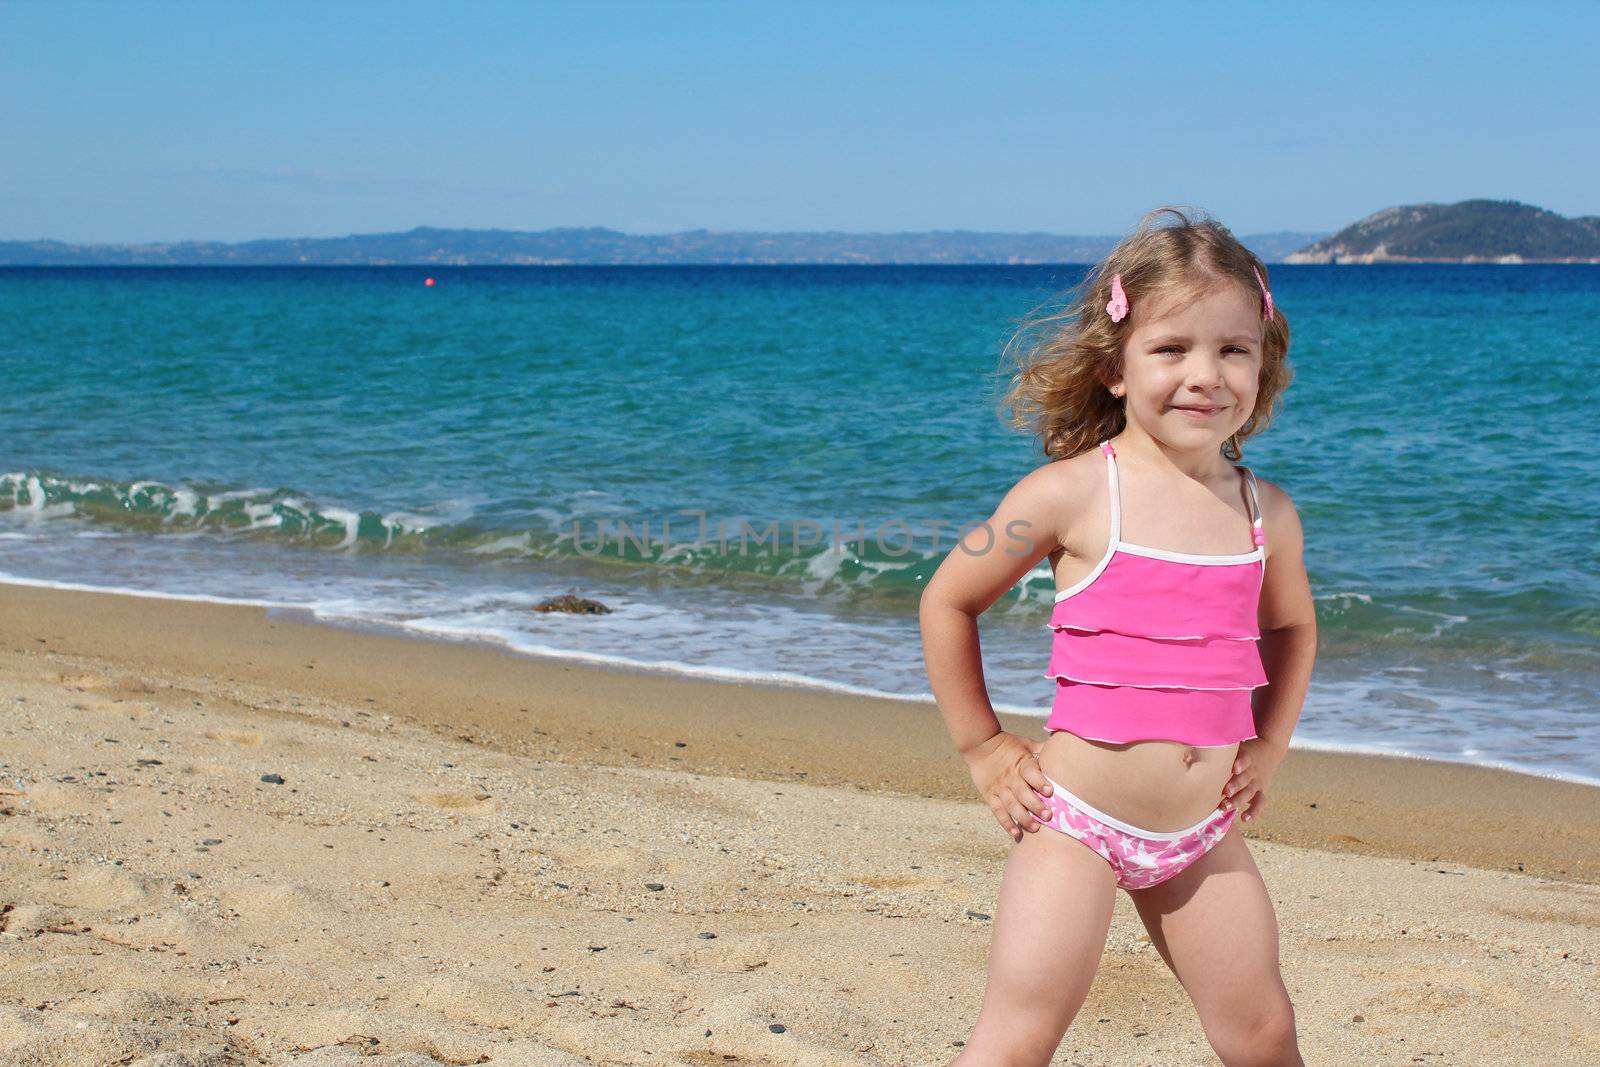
[984,565]
[1288,619]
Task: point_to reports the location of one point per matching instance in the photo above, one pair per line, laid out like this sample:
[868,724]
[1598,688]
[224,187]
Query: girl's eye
[1176,350]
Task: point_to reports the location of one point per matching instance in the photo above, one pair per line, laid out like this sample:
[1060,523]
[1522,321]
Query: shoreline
[720,676]
[1379,805]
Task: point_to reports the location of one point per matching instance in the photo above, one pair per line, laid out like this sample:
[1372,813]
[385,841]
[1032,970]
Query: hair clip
[1266,295]
[1117,307]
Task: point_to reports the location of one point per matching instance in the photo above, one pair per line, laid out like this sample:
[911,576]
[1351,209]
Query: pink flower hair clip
[1266,295]
[1117,306]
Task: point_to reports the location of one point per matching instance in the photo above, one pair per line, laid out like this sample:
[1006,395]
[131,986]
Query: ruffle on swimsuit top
[1156,644]
[1150,622]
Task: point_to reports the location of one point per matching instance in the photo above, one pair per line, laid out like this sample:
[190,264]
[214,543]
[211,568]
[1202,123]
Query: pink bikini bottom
[1139,858]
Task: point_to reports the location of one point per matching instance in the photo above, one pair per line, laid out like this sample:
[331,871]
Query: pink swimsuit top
[1159,645]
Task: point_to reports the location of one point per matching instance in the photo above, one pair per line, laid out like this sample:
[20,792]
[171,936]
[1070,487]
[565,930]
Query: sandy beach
[229,836]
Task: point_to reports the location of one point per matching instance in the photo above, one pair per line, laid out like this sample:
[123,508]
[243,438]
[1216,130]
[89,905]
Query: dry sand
[475,857]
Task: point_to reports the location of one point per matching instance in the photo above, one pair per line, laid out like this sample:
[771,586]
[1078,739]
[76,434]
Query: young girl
[1183,636]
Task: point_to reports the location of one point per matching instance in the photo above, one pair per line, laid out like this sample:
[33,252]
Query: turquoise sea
[439,459]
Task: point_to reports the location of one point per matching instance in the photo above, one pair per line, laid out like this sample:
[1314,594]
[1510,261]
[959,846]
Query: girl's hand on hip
[1005,769]
[1254,766]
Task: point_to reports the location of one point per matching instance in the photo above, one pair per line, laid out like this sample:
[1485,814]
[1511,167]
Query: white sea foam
[514,544]
[350,520]
[400,523]
[185,504]
[216,500]
[150,594]
[262,517]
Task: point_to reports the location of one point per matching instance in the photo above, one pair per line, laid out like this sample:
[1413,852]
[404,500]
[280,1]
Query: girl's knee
[1265,1038]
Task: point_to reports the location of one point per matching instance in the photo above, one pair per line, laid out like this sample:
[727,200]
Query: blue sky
[226,121]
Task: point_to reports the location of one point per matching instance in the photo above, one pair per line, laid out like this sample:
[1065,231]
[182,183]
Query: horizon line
[610,230]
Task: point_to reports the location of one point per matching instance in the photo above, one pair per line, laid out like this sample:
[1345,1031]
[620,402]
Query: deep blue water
[381,451]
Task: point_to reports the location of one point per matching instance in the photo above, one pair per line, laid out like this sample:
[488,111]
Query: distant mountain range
[1472,231]
[595,246]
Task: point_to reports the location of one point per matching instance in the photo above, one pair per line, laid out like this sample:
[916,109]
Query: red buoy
[428,281]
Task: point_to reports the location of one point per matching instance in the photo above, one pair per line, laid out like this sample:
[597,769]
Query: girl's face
[1190,373]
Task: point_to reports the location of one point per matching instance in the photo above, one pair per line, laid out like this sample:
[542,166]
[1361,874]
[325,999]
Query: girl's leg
[1215,927]
[1051,920]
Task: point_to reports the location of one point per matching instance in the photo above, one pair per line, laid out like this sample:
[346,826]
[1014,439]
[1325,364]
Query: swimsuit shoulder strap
[1116,494]
[1258,532]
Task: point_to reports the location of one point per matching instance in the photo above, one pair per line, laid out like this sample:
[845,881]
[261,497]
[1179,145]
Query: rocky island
[1472,231]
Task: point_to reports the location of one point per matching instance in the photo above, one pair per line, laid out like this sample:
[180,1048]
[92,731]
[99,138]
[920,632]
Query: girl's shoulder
[1074,478]
[1273,496]
[1072,473]
[1058,491]
[1279,515]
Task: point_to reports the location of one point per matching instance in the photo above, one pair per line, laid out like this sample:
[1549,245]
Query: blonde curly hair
[1064,352]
